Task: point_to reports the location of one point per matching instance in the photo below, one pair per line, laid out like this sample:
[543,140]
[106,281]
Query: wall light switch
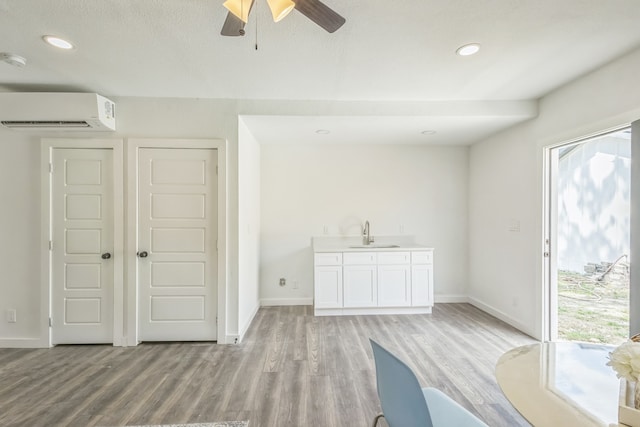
[295,284]
[11,316]
[325,229]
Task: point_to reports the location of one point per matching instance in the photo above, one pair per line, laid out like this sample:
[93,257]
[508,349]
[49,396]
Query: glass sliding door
[587,242]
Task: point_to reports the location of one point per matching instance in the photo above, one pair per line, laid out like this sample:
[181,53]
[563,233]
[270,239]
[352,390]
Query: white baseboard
[230,339]
[22,343]
[500,315]
[270,302]
[450,299]
[370,311]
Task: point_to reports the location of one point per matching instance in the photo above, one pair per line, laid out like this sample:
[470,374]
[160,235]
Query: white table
[561,384]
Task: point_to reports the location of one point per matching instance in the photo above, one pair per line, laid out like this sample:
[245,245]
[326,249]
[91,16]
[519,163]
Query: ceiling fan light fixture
[280,8]
[240,8]
[13,59]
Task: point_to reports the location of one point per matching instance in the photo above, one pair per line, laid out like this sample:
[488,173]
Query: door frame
[46,158]
[131,262]
[549,238]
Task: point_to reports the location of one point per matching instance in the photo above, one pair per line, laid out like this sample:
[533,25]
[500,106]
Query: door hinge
[50,245]
[50,322]
[216,244]
[216,170]
[546,254]
[50,167]
[216,320]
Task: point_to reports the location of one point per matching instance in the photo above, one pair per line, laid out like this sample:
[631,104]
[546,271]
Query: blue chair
[406,404]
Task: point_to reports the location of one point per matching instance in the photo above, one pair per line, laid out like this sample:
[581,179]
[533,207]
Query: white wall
[505,275]
[400,189]
[248,226]
[19,235]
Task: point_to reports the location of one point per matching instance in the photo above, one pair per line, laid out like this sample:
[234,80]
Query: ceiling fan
[315,10]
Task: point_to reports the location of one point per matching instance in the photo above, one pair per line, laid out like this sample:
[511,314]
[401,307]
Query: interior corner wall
[248,227]
[417,190]
[506,189]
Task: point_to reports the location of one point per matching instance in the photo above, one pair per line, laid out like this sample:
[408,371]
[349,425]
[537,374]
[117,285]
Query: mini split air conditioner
[57,111]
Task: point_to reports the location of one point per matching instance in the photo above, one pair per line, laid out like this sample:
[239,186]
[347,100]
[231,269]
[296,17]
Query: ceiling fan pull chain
[256,27]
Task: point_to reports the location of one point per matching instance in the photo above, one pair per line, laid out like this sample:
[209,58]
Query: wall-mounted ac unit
[57,111]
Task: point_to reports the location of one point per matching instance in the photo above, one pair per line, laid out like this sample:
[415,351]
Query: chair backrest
[403,403]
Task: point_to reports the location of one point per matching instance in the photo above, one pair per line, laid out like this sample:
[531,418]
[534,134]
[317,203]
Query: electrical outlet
[283,281]
[11,315]
[325,229]
[295,284]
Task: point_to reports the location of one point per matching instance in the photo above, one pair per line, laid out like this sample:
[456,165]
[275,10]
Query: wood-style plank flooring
[292,369]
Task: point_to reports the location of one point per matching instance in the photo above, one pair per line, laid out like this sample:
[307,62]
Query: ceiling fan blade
[234,26]
[320,13]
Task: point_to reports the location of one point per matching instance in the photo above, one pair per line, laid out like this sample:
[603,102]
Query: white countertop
[354,244]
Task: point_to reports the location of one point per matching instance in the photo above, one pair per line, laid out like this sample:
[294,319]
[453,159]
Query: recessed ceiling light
[57,42]
[322,132]
[13,59]
[468,49]
[428,132]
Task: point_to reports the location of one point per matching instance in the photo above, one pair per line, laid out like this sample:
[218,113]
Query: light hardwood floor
[292,369]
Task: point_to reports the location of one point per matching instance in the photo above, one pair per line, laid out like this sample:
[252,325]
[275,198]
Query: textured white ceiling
[386,51]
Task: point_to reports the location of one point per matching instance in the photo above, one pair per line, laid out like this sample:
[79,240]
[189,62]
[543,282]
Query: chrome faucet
[366,234]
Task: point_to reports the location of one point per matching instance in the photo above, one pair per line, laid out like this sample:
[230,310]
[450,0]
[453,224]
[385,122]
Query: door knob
[143,254]
[106,255]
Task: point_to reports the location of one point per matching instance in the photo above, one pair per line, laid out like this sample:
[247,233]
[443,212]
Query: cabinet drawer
[422,257]
[394,258]
[333,258]
[360,258]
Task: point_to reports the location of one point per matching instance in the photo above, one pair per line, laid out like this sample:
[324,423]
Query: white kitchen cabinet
[328,284]
[422,288]
[394,285]
[360,258]
[360,286]
[328,280]
[373,282]
[394,279]
[422,278]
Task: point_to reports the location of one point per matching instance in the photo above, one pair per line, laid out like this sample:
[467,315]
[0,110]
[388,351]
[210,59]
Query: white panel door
[177,255]
[82,246]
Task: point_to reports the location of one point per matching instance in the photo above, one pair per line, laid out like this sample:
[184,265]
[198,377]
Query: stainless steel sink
[373,246]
